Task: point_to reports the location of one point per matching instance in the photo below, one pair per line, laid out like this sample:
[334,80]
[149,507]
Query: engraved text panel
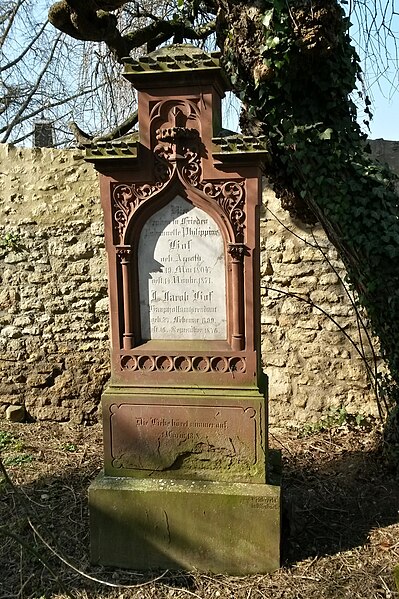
[182,275]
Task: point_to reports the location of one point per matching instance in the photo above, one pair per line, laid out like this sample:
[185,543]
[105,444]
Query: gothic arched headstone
[186,480]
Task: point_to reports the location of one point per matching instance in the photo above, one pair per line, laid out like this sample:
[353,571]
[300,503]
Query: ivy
[298,87]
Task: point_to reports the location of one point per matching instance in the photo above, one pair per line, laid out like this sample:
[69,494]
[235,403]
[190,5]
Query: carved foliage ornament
[177,152]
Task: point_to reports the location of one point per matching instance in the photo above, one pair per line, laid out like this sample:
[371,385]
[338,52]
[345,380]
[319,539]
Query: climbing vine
[296,86]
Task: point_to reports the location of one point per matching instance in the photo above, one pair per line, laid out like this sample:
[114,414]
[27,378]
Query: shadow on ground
[333,498]
[332,504]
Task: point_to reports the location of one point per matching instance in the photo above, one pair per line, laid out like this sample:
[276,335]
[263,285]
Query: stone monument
[186,481]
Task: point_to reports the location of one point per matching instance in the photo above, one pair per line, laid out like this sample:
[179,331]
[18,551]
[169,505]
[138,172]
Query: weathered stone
[294,307]
[301,335]
[97,229]
[31,331]
[8,297]
[300,400]
[309,323]
[320,297]
[22,321]
[15,413]
[54,217]
[277,359]
[229,528]
[328,279]
[11,332]
[102,305]
[268,319]
[281,381]
[14,257]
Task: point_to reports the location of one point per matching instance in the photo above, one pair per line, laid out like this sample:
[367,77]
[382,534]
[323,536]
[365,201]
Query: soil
[340,532]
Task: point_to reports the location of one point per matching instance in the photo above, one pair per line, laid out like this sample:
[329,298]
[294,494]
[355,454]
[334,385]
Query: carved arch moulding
[177,151]
[228,197]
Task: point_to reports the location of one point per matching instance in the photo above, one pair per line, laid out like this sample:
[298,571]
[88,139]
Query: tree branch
[161,31]
[83,21]
[11,21]
[32,92]
[25,51]
[86,23]
[33,113]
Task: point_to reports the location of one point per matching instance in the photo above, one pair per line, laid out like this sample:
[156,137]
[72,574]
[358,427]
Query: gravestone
[186,481]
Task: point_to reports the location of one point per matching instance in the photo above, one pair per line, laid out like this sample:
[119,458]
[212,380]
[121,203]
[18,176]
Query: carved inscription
[264,503]
[182,275]
[172,437]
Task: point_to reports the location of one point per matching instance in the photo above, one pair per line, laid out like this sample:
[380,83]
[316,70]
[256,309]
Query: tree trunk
[294,69]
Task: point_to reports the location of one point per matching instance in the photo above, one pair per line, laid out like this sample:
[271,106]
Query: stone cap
[174,57]
[178,62]
[122,147]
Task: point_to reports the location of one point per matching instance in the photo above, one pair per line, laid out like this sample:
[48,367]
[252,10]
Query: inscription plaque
[264,503]
[181,268]
[166,437]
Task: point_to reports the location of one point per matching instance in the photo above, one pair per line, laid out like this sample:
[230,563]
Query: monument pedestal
[203,434]
[169,496]
[219,527]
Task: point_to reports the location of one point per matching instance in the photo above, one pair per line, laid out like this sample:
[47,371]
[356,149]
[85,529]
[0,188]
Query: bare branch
[33,113]
[32,92]
[161,31]
[12,63]
[11,21]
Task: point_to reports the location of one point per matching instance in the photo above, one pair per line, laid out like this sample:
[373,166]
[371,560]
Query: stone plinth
[229,528]
[212,435]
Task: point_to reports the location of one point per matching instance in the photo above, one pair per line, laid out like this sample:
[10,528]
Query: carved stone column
[237,252]
[124,254]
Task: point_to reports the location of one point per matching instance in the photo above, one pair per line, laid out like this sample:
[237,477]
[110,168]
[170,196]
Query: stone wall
[53,298]
[54,353]
[308,320]
[306,315]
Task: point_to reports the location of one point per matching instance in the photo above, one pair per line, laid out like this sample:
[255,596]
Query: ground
[340,533]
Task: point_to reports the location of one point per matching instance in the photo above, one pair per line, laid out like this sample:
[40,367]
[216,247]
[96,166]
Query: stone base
[219,527]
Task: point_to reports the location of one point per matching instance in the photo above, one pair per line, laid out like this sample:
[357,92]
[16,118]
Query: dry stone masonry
[53,306]
[313,367]
[311,364]
[54,352]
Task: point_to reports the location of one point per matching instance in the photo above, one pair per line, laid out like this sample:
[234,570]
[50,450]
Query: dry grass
[340,537]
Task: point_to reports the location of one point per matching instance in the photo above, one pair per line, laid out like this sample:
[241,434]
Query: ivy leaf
[272,42]
[267,19]
[326,134]
[278,5]
[391,250]
[180,4]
